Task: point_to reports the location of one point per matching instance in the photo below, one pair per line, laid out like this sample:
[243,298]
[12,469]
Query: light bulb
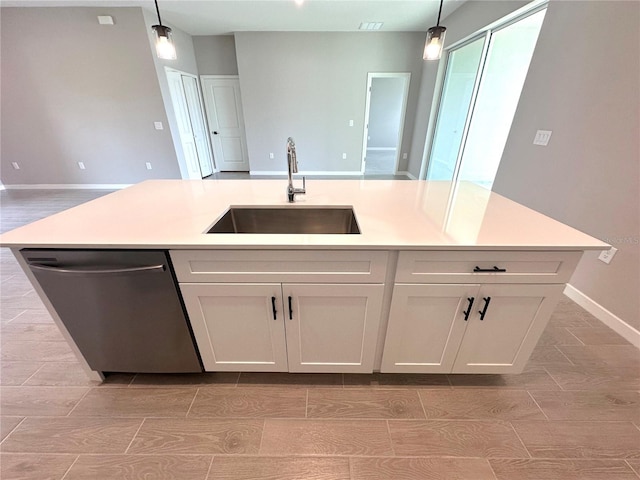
[165,49]
[434,44]
[433,50]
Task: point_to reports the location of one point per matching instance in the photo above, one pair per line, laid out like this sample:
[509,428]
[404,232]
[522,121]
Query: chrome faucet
[292,167]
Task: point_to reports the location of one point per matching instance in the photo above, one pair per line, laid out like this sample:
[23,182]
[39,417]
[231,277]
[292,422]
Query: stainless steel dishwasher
[121,307]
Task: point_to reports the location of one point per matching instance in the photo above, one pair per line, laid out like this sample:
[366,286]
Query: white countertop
[392,214]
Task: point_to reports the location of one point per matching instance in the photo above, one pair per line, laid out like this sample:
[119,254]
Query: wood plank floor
[574,413]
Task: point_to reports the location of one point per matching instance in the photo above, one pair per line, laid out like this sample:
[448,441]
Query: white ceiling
[218,17]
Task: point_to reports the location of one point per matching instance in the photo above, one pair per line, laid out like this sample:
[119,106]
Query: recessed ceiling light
[371,25]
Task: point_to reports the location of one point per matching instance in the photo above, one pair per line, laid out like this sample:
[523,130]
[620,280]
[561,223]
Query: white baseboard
[408,174]
[306,174]
[605,316]
[382,149]
[70,186]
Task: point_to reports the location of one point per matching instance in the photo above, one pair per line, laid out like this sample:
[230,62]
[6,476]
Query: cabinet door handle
[290,310]
[468,311]
[273,306]
[492,270]
[484,310]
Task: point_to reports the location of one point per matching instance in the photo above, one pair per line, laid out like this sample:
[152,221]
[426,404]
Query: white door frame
[207,143]
[209,127]
[186,146]
[203,116]
[405,95]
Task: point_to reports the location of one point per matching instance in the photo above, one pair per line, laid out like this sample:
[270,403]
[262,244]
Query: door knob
[215,133]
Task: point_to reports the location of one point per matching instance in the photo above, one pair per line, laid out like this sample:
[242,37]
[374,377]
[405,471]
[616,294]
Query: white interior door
[185,130]
[226,123]
[198,125]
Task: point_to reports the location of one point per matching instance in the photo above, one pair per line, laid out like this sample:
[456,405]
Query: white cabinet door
[332,328]
[426,325]
[514,320]
[235,326]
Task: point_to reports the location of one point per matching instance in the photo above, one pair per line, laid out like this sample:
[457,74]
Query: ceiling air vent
[370,26]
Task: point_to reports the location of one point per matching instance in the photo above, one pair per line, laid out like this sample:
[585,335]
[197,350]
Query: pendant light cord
[437,23]
[160,21]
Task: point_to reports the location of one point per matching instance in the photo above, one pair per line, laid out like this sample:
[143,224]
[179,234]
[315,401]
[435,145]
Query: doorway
[226,122]
[189,113]
[384,120]
[481,89]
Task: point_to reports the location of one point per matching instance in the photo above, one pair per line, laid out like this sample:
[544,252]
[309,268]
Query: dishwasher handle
[99,271]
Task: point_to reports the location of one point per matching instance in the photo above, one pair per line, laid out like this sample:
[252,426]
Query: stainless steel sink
[288,220]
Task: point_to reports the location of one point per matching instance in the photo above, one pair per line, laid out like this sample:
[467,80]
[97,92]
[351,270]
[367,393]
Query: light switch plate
[15,165]
[351,123]
[81,165]
[344,156]
[158,125]
[542,137]
[148,164]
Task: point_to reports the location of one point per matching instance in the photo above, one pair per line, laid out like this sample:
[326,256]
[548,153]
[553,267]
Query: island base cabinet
[323,328]
[332,328]
[235,326]
[466,328]
[501,340]
[426,326]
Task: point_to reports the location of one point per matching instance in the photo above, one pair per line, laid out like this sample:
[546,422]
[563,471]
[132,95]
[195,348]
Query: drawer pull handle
[492,270]
[484,310]
[273,306]
[290,310]
[468,310]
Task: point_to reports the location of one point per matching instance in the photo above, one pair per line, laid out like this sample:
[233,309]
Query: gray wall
[216,54]
[586,91]
[385,111]
[73,90]
[309,85]
[466,20]
[185,62]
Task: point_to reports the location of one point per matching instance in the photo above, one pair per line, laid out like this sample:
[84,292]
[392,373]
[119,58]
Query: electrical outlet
[344,156]
[148,164]
[404,156]
[606,255]
[81,165]
[15,165]
[542,137]
[158,125]
[271,155]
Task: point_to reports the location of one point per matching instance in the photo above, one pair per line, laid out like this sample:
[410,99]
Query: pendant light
[165,48]
[435,39]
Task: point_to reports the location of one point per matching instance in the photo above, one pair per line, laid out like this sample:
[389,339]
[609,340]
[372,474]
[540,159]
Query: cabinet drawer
[325,266]
[486,267]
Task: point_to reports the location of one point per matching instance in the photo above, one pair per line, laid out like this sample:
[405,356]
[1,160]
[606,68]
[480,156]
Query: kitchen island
[441,278]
